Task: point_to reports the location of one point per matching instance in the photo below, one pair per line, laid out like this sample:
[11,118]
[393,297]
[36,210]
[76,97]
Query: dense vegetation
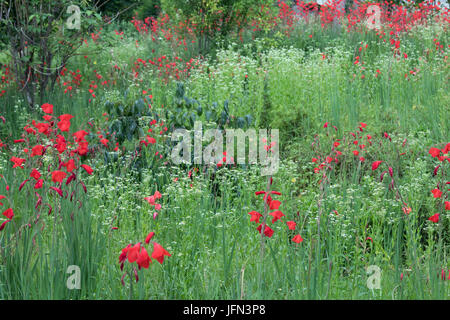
[87,178]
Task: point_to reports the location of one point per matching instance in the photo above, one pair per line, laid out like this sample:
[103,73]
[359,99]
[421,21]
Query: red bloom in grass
[434,218]
[82,148]
[150,200]
[325,125]
[123,254]
[70,165]
[291,225]
[157,195]
[1,197]
[447,205]
[276,215]
[407,210]
[2,226]
[255,216]
[79,135]
[133,252]
[446,149]
[436,193]
[18,162]
[39,184]
[37,150]
[42,127]
[60,144]
[355,152]
[151,139]
[47,108]
[435,152]
[104,142]
[8,213]
[65,117]
[35,174]
[149,237]
[64,125]
[274,204]
[143,259]
[376,164]
[58,176]
[88,169]
[297,239]
[159,252]
[268,232]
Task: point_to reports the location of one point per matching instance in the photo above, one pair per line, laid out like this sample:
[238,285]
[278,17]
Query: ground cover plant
[355,100]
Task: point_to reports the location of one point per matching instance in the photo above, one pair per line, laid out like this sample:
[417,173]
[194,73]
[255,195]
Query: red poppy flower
[37,150]
[151,140]
[436,193]
[65,117]
[150,200]
[1,197]
[8,213]
[42,127]
[47,108]
[276,215]
[79,135]
[268,232]
[447,205]
[70,165]
[434,218]
[291,225]
[157,195]
[88,169]
[39,184]
[255,216]
[133,252]
[18,162]
[35,174]
[446,149]
[143,259]
[297,239]
[82,148]
[123,254]
[376,164]
[64,125]
[58,176]
[274,204]
[435,152]
[159,252]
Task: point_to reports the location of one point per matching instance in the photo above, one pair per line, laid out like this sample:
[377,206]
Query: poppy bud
[436,170]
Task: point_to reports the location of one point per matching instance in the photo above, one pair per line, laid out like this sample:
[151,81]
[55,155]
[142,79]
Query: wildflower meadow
[224,150]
